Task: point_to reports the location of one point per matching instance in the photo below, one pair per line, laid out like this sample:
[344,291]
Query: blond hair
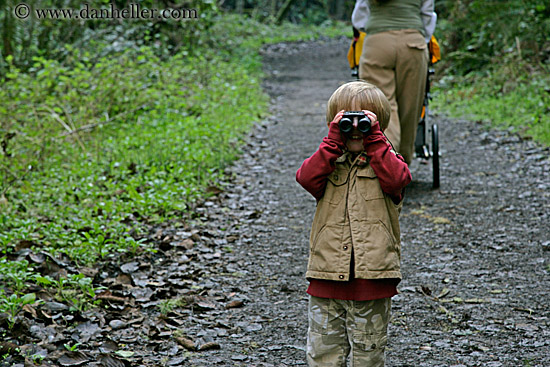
[360,95]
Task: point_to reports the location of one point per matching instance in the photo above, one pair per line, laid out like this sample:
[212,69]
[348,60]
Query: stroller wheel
[435,155]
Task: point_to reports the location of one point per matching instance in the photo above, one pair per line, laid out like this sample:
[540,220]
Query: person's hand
[374,126]
[334,129]
[372,116]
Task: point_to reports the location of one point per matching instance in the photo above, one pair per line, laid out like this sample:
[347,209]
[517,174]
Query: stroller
[425,131]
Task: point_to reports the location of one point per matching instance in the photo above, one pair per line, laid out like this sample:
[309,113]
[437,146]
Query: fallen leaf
[426,290]
[30,310]
[440,220]
[234,304]
[186,244]
[443,293]
[124,353]
[108,296]
[7,347]
[73,359]
[123,279]
[109,361]
[208,346]
[186,343]
[215,190]
[130,267]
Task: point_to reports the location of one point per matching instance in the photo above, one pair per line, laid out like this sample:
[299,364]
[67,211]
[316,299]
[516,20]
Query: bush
[476,33]
[115,140]
[99,147]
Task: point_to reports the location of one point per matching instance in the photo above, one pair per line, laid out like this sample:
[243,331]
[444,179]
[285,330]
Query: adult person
[395,59]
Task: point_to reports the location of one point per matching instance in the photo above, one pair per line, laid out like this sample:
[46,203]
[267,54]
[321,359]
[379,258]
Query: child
[354,263]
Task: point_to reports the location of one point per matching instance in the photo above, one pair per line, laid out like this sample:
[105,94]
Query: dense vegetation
[496,63]
[109,127]
[114,128]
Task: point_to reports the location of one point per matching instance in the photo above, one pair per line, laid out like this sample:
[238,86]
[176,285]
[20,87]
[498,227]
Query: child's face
[354,139]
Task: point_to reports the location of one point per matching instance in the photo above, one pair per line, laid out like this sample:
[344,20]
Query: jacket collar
[361,160]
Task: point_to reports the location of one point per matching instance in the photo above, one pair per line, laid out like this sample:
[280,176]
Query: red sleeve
[313,173]
[390,168]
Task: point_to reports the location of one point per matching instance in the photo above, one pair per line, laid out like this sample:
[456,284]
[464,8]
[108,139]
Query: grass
[95,151]
[86,192]
[511,96]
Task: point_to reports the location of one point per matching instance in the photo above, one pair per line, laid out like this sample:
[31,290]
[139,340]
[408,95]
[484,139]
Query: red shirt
[393,175]
[355,289]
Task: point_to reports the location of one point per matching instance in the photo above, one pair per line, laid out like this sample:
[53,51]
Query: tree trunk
[273,10]
[7,33]
[239,6]
[283,11]
[339,11]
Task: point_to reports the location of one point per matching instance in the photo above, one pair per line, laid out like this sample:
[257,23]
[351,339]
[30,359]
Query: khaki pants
[397,63]
[339,328]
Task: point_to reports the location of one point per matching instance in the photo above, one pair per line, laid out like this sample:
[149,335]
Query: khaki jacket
[354,218]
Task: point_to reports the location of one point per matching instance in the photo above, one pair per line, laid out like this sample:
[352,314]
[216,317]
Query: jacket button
[345,247]
[341,277]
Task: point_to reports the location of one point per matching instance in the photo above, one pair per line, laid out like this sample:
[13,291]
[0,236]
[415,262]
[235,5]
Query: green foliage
[496,62]
[103,143]
[116,139]
[253,34]
[477,33]
[166,306]
[299,11]
[75,289]
[22,40]
[13,304]
[72,348]
[16,274]
[509,98]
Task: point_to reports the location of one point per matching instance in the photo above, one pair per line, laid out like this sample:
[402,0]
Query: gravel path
[475,253]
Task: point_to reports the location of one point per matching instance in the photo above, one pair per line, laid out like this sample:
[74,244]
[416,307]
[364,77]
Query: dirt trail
[475,252]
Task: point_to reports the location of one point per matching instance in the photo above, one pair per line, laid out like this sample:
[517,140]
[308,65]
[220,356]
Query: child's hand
[374,127]
[372,116]
[334,129]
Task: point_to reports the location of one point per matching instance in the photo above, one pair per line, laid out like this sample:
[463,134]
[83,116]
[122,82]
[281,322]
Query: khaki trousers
[397,63]
[338,329]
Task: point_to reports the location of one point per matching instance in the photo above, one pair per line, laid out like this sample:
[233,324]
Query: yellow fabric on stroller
[356,47]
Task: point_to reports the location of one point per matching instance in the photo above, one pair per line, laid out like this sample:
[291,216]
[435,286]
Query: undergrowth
[509,96]
[95,150]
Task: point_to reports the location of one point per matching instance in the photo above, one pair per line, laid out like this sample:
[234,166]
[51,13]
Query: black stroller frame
[425,131]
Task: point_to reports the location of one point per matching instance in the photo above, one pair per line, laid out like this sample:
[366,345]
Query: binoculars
[346,123]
